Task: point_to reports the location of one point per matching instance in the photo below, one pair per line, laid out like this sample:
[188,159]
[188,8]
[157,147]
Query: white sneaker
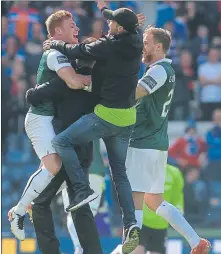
[17,225]
[78,250]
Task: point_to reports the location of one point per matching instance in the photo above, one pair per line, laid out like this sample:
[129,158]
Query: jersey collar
[162,60]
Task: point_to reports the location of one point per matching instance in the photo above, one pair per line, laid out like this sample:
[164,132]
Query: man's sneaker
[82,198]
[204,247]
[17,225]
[131,239]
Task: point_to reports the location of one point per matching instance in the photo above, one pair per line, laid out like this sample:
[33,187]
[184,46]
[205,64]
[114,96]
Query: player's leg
[153,240]
[154,200]
[70,224]
[137,164]
[86,228]
[96,182]
[117,151]
[173,216]
[42,217]
[40,132]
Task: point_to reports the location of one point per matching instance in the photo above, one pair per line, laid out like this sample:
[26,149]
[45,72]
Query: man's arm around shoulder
[91,51]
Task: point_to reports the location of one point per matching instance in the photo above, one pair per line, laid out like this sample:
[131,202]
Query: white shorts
[41,132]
[146,169]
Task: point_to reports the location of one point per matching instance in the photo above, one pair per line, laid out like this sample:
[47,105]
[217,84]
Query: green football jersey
[150,130]
[173,194]
[51,61]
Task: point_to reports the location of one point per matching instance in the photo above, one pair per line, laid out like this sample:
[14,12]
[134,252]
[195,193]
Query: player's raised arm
[151,81]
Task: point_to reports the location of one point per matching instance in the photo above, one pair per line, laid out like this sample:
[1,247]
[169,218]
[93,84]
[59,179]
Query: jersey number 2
[167,103]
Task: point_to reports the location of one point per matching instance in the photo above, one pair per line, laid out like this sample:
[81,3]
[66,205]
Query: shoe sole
[82,203]
[132,240]
[20,239]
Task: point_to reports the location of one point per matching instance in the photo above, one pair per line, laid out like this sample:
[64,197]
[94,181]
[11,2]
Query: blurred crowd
[196,55]
[199,159]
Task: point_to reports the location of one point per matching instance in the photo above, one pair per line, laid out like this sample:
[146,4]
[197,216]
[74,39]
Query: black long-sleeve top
[121,55]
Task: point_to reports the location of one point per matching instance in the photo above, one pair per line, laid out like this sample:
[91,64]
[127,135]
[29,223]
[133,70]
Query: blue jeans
[116,139]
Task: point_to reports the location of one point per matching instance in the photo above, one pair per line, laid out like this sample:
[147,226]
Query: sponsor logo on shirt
[149,81]
[62,59]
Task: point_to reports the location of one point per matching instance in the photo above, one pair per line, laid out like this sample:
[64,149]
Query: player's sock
[36,184]
[178,222]
[72,232]
[139,217]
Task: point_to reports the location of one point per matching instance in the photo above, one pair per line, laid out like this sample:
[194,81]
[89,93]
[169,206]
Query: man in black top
[113,118]
[80,102]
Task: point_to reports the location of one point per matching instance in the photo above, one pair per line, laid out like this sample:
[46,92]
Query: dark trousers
[83,219]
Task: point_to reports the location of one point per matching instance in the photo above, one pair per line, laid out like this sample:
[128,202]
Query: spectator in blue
[180,25]
[200,44]
[11,53]
[165,13]
[213,139]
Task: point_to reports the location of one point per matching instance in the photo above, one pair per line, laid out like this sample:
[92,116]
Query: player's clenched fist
[82,81]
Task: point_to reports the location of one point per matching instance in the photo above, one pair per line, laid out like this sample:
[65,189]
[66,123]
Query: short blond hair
[160,35]
[55,20]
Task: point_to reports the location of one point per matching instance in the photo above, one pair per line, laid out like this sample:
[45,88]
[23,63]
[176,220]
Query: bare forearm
[75,82]
[206,81]
[141,92]
[72,79]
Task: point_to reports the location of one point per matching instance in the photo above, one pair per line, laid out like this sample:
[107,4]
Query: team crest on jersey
[150,81]
[62,59]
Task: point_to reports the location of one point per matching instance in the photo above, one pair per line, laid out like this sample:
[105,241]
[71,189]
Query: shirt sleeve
[153,79]
[57,60]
